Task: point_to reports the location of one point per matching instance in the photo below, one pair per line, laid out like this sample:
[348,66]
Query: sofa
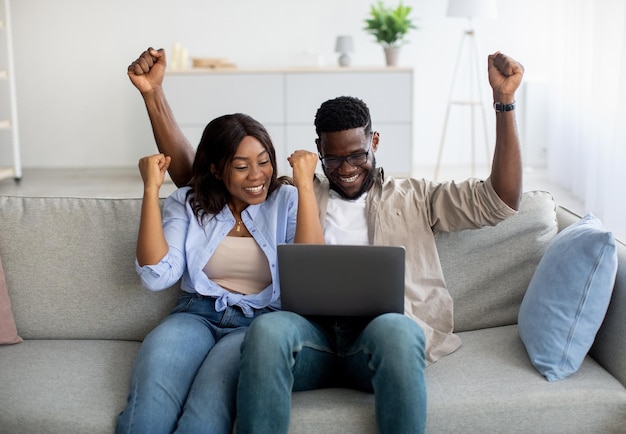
[81,312]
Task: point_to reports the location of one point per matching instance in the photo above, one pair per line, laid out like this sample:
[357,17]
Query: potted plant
[389,26]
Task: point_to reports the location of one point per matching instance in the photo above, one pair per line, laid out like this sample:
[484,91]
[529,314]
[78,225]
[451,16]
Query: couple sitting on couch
[219,232]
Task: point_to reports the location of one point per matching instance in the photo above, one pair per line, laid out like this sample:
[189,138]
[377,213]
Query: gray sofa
[82,313]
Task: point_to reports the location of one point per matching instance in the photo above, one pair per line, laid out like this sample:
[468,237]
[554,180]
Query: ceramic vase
[392,55]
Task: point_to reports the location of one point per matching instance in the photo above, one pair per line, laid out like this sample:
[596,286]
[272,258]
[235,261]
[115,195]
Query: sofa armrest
[565,217]
[609,348]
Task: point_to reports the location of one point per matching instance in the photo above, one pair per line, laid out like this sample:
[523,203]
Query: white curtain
[587,139]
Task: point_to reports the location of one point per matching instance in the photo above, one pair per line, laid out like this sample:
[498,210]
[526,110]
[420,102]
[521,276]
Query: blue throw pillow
[568,297]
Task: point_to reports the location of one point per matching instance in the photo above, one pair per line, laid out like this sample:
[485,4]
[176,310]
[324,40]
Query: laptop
[341,280]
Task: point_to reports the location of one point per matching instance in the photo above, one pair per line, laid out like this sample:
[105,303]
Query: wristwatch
[499,107]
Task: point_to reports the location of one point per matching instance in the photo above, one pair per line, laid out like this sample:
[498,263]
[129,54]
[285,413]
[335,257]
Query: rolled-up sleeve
[475,202]
[171,267]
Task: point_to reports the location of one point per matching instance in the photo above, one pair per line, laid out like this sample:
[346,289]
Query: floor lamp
[468,9]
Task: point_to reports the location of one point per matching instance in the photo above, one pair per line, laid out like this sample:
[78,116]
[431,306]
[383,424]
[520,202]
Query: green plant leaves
[389,25]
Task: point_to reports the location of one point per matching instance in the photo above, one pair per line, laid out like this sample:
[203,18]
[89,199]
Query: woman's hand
[308,226]
[151,243]
[303,164]
[152,169]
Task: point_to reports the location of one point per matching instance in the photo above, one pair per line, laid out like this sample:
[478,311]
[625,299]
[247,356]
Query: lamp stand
[344,59]
[474,101]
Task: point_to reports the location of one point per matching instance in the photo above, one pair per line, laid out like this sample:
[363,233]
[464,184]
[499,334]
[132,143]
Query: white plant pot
[392,54]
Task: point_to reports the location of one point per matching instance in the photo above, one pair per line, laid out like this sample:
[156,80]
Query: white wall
[77,107]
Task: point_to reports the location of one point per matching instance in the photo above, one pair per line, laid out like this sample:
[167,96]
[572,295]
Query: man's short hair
[342,113]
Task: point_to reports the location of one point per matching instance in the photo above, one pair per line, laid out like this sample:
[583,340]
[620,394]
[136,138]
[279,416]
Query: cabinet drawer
[387,94]
[197,99]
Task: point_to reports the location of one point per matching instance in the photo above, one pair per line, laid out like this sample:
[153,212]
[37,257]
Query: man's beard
[365,186]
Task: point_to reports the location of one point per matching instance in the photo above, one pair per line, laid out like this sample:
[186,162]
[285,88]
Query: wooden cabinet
[285,102]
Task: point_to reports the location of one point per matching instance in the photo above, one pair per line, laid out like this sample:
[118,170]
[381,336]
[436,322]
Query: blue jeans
[185,376]
[284,352]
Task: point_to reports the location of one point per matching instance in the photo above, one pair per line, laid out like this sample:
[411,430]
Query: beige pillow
[8,331]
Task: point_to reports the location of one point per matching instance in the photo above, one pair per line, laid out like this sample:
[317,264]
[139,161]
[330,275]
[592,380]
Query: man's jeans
[185,376]
[283,351]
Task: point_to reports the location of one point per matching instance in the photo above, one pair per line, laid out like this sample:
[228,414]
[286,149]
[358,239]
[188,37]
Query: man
[283,351]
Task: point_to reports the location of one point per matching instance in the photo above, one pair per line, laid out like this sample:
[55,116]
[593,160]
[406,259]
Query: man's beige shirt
[409,212]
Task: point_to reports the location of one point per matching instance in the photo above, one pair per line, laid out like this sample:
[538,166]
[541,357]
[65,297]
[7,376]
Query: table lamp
[344,46]
[473,8]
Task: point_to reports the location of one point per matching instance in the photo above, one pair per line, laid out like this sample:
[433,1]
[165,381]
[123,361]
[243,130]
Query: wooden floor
[126,182]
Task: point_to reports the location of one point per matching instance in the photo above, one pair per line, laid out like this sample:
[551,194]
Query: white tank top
[239,265]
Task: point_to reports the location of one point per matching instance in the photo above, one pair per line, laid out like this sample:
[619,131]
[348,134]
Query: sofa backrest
[488,270]
[69,266]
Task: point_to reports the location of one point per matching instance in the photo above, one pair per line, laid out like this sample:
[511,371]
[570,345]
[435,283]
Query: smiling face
[249,174]
[348,180]
[235,165]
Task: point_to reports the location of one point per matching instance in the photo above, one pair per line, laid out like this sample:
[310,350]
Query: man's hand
[303,164]
[505,76]
[147,71]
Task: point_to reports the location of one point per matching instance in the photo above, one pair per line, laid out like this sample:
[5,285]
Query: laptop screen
[341,280]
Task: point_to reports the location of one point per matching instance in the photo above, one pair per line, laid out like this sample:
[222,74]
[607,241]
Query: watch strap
[500,107]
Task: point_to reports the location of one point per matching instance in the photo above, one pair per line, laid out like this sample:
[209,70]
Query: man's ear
[318,142]
[375,139]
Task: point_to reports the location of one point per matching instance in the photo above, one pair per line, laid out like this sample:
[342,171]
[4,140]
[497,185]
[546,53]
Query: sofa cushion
[8,331]
[568,297]
[84,284]
[486,386]
[489,386]
[64,386]
[476,264]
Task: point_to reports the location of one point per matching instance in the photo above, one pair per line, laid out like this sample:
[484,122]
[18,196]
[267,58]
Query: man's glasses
[355,160]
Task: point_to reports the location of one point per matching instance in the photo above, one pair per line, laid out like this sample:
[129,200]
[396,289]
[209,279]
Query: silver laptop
[341,280]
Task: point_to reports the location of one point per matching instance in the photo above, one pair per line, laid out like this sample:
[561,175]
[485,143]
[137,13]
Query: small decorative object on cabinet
[344,46]
[7,81]
[389,26]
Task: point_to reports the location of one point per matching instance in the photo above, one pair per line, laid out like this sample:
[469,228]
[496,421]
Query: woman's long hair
[217,147]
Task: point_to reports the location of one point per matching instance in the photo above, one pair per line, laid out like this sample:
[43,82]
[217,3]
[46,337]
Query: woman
[220,235]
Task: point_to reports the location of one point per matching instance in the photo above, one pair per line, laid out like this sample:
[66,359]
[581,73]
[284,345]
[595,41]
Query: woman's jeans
[284,352]
[185,376]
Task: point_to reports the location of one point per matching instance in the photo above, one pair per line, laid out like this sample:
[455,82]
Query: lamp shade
[473,8]
[344,44]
